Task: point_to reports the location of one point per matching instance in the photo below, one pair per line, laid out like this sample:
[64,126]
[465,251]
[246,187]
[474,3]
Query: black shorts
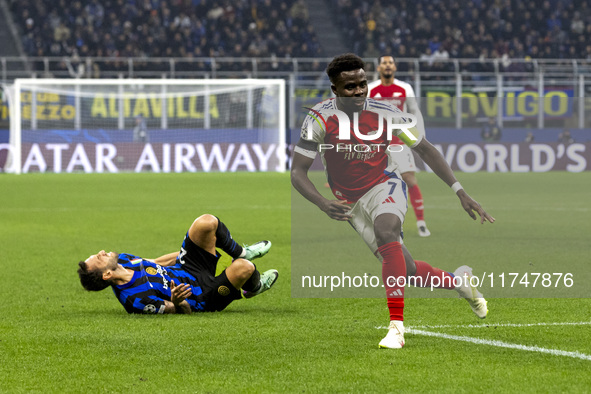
[217,291]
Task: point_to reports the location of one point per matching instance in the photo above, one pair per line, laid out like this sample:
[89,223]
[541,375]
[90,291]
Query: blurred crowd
[166,28]
[431,30]
[442,29]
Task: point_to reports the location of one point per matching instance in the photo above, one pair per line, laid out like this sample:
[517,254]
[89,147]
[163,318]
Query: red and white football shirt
[351,173]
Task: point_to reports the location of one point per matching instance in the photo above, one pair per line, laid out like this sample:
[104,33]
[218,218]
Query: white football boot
[268,279]
[470,293]
[256,250]
[395,337]
[422,228]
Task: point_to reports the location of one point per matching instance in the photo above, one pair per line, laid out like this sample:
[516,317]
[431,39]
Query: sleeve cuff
[308,153]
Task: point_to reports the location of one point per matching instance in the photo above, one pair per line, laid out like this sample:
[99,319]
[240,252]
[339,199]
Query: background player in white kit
[402,95]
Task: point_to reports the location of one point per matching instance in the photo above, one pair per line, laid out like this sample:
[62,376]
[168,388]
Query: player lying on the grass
[185,281]
[369,191]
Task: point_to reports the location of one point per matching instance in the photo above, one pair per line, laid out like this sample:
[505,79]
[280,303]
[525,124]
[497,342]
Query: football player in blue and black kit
[184,281]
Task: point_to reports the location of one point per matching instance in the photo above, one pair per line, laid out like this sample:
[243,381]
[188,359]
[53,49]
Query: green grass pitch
[55,337]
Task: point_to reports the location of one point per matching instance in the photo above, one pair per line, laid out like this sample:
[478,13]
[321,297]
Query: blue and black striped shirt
[150,286]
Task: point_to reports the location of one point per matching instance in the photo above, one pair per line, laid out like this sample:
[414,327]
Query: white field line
[580,323]
[479,341]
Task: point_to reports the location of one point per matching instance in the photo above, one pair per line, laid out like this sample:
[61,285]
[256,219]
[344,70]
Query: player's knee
[386,236]
[244,268]
[206,223]
[387,229]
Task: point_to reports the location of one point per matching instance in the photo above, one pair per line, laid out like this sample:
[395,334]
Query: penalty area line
[480,341]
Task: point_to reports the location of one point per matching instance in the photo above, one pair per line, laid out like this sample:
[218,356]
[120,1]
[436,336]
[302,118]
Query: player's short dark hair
[91,280]
[344,62]
[384,55]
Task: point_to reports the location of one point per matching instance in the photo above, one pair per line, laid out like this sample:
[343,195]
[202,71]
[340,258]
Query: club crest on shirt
[151,271]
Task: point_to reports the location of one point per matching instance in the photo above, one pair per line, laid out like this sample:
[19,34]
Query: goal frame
[14,95]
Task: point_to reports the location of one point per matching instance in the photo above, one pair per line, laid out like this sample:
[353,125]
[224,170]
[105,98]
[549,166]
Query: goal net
[143,125]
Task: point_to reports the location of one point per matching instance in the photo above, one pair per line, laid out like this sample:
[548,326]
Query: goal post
[143,125]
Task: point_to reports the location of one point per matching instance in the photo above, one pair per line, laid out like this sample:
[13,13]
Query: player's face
[102,261]
[387,67]
[350,88]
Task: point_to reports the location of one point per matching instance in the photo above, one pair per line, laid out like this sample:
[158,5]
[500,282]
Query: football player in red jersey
[369,192]
[402,95]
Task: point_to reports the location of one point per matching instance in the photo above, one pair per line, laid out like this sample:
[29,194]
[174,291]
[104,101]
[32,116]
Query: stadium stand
[434,30]
[498,36]
[237,28]
[158,28]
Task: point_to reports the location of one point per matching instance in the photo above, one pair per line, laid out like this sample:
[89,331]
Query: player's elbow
[296,174]
[423,148]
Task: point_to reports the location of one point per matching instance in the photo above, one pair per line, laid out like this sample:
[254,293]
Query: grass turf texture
[55,337]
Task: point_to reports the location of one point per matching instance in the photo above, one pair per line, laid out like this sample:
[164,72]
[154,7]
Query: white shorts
[387,197]
[404,158]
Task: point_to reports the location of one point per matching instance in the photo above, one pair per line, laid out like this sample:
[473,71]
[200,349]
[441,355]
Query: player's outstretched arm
[335,209]
[166,260]
[413,108]
[436,161]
